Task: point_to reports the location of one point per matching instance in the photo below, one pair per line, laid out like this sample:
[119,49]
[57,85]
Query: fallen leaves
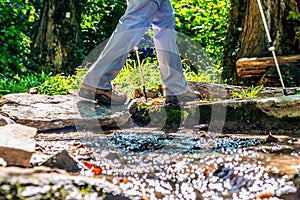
[96,169]
[125,181]
[265,195]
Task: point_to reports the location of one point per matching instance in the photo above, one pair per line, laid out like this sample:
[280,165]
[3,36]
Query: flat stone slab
[259,115]
[60,111]
[279,115]
[210,90]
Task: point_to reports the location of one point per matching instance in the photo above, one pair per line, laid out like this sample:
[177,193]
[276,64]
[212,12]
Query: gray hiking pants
[139,16]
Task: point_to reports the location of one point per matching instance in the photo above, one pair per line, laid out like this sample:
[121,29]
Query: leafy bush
[99,20]
[295,18]
[15,19]
[199,76]
[61,84]
[129,77]
[58,84]
[249,92]
[204,21]
[47,84]
[22,83]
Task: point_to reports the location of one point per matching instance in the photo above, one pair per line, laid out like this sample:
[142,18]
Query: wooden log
[17,144]
[256,67]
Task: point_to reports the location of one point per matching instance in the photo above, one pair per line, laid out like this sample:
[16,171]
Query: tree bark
[247,37]
[58,37]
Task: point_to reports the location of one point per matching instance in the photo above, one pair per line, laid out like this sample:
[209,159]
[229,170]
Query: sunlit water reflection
[185,165]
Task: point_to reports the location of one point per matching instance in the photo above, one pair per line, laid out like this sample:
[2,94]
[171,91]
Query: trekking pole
[271,48]
[141,71]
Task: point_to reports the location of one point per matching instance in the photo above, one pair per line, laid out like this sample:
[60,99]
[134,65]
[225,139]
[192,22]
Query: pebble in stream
[227,144]
[135,141]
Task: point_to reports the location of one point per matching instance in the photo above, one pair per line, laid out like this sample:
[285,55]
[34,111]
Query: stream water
[189,164]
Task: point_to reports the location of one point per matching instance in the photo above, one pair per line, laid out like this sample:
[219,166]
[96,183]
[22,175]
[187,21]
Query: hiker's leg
[167,51]
[128,33]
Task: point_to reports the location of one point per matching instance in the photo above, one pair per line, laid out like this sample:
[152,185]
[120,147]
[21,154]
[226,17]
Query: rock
[264,115]
[34,90]
[291,196]
[42,182]
[3,163]
[17,144]
[63,161]
[60,111]
[3,101]
[5,120]
[261,115]
[224,91]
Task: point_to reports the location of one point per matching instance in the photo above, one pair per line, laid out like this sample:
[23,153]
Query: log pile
[256,67]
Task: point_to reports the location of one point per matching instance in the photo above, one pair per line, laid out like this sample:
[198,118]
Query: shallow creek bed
[143,163]
[149,164]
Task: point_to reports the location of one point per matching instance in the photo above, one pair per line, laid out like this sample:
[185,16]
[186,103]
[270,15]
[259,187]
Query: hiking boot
[105,97]
[186,97]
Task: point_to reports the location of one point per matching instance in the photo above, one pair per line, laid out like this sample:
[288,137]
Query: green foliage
[61,84]
[58,84]
[99,19]
[16,17]
[295,18]
[78,77]
[174,114]
[142,117]
[47,84]
[202,20]
[18,84]
[129,77]
[247,93]
[205,22]
[208,75]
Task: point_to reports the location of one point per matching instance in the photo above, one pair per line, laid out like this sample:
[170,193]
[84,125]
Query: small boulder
[63,161]
[17,144]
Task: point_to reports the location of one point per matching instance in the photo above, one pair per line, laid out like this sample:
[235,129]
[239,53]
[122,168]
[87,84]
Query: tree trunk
[247,37]
[58,37]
